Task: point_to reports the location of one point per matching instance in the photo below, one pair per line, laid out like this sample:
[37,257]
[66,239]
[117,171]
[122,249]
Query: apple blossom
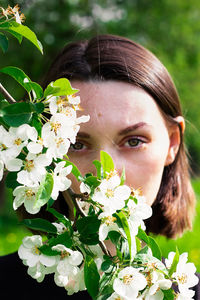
[61,182]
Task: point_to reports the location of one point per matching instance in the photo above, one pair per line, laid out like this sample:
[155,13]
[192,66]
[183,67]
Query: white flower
[26,195]
[61,228]
[138,212]
[69,260]
[84,188]
[185,274]
[61,103]
[34,169]
[186,295]
[159,283]
[129,282]
[29,251]
[1,169]
[76,282]
[116,296]
[111,195]
[108,224]
[61,182]
[37,272]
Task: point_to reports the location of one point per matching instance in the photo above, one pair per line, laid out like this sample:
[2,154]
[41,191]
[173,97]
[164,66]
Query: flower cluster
[29,154]
[134,275]
[13,13]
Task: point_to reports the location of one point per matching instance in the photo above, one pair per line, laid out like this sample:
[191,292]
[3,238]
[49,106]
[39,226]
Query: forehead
[118,103]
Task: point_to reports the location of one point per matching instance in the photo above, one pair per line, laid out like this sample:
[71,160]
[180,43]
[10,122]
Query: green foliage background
[169,28]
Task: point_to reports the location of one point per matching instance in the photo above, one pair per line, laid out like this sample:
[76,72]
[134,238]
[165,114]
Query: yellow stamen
[182,279]
[18,142]
[29,193]
[29,165]
[127,279]
[109,193]
[64,254]
[55,126]
[109,220]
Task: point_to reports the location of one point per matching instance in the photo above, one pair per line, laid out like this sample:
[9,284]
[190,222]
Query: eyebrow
[121,132]
[132,128]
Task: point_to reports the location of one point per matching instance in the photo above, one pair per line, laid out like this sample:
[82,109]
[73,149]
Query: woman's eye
[77,146]
[133,142]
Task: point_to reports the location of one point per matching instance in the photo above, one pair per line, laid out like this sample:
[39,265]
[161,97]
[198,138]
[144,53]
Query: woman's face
[126,123]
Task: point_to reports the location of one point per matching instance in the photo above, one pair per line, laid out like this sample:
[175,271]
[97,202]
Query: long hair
[109,57]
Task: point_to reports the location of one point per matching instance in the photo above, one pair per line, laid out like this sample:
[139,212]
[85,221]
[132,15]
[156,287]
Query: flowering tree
[35,136]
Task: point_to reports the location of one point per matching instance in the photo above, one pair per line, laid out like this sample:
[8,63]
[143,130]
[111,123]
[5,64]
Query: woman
[135,116]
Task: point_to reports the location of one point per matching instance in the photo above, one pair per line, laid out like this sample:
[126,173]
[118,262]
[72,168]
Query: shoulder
[15,282]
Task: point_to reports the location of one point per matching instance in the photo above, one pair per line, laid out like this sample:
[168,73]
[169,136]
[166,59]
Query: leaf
[44,191]
[155,248]
[18,36]
[126,229]
[98,168]
[63,239]
[11,180]
[123,177]
[92,181]
[90,239]
[142,235]
[106,265]
[174,263]
[114,236]
[91,276]
[40,224]
[3,42]
[46,250]
[17,114]
[168,294]
[60,87]
[107,162]
[23,80]
[88,225]
[14,27]
[75,171]
[60,217]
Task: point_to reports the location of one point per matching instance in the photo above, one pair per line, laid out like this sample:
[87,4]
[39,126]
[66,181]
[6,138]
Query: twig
[75,198]
[6,94]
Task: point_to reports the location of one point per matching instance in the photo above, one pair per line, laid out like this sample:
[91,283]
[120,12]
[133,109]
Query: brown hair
[108,57]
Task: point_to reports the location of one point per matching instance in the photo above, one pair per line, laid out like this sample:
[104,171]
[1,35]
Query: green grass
[11,233]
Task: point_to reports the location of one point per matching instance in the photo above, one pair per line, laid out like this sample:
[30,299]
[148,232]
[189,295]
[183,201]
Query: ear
[174,137]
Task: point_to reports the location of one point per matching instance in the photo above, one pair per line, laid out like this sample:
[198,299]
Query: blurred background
[169,28]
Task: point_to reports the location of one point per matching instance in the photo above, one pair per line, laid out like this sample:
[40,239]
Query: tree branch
[6,94]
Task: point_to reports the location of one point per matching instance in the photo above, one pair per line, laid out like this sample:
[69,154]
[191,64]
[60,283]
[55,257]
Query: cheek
[146,173]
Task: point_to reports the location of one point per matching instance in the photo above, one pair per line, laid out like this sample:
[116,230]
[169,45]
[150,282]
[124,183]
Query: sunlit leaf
[44,191]
[91,276]
[107,162]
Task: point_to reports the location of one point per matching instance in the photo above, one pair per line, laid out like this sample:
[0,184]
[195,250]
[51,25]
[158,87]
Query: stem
[6,94]
[75,198]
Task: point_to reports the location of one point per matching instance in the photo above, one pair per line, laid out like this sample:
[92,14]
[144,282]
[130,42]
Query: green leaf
[106,265]
[92,181]
[60,87]
[14,27]
[63,239]
[40,224]
[75,171]
[114,236]
[23,80]
[38,107]
[168,294]
[99,168]
[17,114]
[46,250]
[142,235]
[155,248]
[174,263]
[11,180]
[60,217]
[18,36]
[107,162]
[90,239]
[126,229]
[44,191]
[3,42]
[36,122]
[123,177]
[91,276]
[88,225]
